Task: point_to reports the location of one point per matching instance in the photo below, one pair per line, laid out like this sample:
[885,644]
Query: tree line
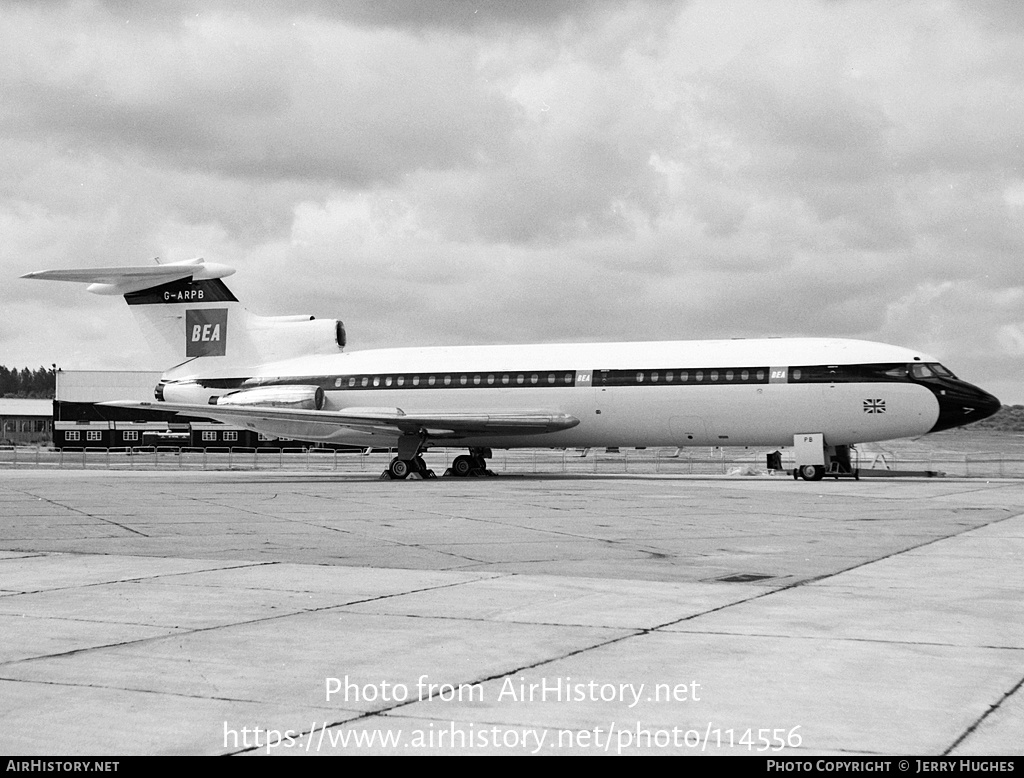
[39,383]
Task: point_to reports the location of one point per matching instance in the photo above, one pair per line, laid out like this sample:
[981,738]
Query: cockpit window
[930,370]
[921,371]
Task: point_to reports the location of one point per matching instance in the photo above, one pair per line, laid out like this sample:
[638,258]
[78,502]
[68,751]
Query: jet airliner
[290,376]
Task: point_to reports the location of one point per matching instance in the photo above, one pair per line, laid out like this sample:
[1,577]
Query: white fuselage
[624,394]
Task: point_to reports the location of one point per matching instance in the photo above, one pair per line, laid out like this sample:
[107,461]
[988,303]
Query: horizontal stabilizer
[125,280]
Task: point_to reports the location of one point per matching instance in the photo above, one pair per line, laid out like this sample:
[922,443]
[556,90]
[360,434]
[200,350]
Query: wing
[436,424]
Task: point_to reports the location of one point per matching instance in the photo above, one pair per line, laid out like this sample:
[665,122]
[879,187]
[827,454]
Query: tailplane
[186,312]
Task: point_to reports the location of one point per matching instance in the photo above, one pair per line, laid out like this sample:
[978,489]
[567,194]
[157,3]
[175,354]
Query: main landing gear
[400,469]
[473,464]
[410,462]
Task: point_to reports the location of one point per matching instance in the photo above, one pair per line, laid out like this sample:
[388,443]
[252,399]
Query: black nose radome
[962,403]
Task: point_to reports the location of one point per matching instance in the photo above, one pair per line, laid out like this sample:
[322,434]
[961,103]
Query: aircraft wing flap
[437,424]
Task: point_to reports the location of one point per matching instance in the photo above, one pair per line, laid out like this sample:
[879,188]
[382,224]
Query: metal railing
[658,461]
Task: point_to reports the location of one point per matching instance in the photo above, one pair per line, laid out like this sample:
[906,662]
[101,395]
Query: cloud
[501,172]
[247,97]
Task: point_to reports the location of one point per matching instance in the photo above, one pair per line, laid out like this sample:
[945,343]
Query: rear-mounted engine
[308,398]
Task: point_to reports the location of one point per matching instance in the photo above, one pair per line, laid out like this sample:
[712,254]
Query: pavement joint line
[229,565]
[992,709]
[615,542]
[319,525]
[129,689]
[847,639]
[389,709]
[248,622]
[827,576]
[78,511]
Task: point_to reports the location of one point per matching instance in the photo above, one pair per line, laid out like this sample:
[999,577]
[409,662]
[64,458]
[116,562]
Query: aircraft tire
[399,469]
[462,465]
[420,464]
[812,472]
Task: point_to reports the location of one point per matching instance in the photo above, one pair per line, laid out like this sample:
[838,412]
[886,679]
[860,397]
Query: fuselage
[757,392]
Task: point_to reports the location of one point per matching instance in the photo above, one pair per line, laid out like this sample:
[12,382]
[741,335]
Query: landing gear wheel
[812,472]
[420,464]
[399,469]
[463,466]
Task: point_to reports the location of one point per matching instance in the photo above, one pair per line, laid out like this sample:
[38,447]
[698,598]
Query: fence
[666,461]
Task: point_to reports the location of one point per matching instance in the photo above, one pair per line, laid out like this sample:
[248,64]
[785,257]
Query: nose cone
[962,403]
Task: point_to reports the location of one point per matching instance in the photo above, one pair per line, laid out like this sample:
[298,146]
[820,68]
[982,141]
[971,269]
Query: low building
[25,422]
[79,420]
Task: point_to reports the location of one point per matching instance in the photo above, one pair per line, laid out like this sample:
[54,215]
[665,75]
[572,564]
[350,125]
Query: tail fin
[187,312]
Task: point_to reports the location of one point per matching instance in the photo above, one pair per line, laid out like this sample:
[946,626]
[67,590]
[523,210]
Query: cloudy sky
[454,172]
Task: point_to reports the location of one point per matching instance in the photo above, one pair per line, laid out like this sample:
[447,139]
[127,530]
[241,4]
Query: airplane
[290,376]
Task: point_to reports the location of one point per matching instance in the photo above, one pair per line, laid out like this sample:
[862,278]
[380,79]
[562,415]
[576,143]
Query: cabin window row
[457,380]
[671,377]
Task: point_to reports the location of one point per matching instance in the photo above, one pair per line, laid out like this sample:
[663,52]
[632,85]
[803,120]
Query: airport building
[77,419]
[25,422]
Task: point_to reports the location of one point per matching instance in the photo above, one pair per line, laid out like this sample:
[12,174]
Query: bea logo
[206,332]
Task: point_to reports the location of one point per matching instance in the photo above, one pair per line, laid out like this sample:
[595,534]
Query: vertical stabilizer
[186,312]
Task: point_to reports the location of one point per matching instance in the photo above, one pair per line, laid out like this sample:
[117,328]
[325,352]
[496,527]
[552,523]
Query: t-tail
[187,312]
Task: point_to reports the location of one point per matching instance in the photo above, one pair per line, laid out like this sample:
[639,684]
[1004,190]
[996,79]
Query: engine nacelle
[191,392]
[282,337]
[300,397]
